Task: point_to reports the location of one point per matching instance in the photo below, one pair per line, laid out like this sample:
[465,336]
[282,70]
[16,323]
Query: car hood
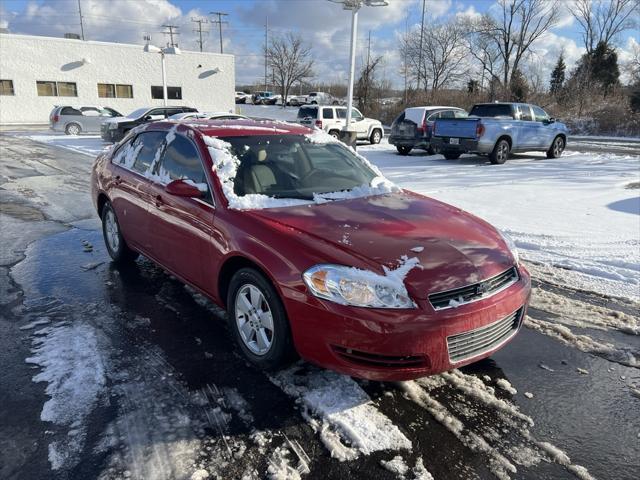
[118,120]
[454,248]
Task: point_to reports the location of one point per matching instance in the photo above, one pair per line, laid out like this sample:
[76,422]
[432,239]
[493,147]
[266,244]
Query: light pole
[348,133]
[162,51]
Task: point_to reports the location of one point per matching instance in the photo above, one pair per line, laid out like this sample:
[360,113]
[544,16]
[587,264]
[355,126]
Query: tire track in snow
[508,443]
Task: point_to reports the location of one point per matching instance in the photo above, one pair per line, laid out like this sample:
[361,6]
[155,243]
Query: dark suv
[114,129]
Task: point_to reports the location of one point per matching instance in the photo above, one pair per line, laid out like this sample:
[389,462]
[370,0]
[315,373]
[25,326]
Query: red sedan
[310,249]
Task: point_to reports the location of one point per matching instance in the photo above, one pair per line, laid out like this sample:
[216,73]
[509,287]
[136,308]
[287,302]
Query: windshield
[138,113]
[291,166]
[491,110]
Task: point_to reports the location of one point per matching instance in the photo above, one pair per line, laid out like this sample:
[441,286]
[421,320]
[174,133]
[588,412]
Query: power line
[200,21]
[171,33]
[220,22]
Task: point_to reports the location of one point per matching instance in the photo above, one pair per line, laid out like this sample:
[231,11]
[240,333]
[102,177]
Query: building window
[57,89]
[6,87]
[173,93]
[110,90]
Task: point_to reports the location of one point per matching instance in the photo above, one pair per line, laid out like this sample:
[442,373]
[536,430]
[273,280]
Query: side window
[342,113]
[126,154]
[327,113]
[90,111]
[460,114]
[156,112]
[433,117]
[525,113]
[539,114]
[356,115]
[70,111]
[181,161]
[173,111]
[150,144]
[447,114]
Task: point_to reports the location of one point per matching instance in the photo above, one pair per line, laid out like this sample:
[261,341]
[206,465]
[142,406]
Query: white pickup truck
[498,129]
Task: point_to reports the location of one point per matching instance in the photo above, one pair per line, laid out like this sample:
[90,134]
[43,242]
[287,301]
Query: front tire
[557,147]
[117,248]
[500,152]
[258,320]
[375,138]
[73,129]
[402,150]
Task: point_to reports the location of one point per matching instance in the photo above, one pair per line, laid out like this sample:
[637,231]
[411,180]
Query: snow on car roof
[236,128]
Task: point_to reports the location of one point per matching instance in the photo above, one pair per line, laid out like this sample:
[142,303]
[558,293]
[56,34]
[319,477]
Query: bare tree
[367,83]
[290,62]
[508,36]
[603,20]
[442,54]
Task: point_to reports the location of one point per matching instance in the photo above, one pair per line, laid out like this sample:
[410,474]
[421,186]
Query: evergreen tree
[557,76]
[519,87]
[604,67]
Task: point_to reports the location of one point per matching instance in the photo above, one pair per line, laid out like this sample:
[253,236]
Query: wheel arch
[504,137]
[101,202]
[230,266]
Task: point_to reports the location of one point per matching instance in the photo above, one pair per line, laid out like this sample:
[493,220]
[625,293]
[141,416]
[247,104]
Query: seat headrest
[262,155]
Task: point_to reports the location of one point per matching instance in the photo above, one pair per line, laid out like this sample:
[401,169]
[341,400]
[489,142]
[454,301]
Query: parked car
[265,98]
[332,119]
[242,97]
[413,127]
[113,130]
[498,129]
[321,98]
[75,120]
[420,287]
[296,100]
[208,116]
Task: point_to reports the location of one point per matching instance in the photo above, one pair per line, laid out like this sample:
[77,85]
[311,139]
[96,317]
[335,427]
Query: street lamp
[162,51]
[349,134]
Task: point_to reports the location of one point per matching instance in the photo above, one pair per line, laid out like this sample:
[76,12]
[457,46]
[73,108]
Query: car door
[91,119]
[131,194]
[359,123]
[527,131]
[182,227]
[545,131]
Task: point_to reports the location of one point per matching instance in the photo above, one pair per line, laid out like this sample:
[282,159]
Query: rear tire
[335,134]
[402,150]
[376,136]
[73,129]
[557,147]
[500,152]
[117,248]
[431,151]
[258,320]
[451,155]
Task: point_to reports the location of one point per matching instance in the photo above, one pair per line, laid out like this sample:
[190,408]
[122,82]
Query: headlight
[359,288]
[512,246]
[113,126]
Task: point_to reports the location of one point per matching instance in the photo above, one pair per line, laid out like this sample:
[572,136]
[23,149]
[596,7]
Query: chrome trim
[515,280]
[480,331]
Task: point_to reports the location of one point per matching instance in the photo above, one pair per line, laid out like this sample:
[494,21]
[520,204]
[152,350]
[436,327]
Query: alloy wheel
[558,147]
[111,230]
[254,319]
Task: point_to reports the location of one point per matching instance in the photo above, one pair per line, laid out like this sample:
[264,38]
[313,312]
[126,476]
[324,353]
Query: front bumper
[110,135]
[393,345]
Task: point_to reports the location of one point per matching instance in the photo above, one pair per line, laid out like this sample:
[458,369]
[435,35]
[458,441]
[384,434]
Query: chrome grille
[474,292]
[463,346]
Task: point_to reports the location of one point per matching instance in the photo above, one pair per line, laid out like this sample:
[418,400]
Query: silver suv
[75,120]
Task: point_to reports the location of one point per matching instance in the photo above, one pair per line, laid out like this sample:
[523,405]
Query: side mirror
[549,121]
[180,188]
[148,118]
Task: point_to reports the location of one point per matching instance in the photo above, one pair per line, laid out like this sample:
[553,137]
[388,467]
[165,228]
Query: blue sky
[323,24]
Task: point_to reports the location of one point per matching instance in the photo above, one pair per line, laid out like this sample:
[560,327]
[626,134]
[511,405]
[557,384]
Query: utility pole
[369,50]
[266,48]
[171,33]
[199,31]
[219,22]
[420,53]
[81,23]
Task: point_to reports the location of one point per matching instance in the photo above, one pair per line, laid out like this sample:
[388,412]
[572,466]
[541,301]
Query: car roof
[434,108]
[238,128]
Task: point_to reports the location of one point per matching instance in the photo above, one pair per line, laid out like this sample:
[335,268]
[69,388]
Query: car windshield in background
[491,110]
[291,166]
[306,112]
[138,113]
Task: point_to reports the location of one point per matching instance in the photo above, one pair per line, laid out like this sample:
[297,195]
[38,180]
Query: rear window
[491,110]
[306,112]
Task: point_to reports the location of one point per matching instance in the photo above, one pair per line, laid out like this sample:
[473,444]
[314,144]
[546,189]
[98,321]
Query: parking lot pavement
[114,372]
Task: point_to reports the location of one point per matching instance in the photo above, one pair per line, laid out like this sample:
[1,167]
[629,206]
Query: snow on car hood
[454,248]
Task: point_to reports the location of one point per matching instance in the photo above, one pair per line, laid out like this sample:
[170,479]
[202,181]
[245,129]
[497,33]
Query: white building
[37,73]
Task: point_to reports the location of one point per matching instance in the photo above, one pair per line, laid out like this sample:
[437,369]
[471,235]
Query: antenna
[171,33]
[199,31]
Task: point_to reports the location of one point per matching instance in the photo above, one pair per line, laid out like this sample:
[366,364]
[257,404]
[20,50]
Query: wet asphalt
[152,327]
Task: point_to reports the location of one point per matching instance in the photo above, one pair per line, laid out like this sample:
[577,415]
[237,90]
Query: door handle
[159,201]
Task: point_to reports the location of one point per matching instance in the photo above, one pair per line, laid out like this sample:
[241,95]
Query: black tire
[431,150]
[376,136]
[293,103]
[557,147]
[451,155]
[281,350]
[73,129]
[500,152]
[120,253]
[335,134]
[314,103]
[402,150]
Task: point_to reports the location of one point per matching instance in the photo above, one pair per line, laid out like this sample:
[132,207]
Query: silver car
[75,120]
